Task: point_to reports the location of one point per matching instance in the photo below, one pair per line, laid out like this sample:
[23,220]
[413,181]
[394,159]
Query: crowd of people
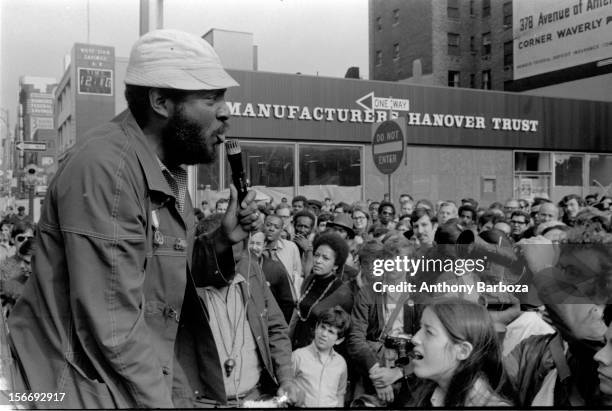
[134,299]
[540,348]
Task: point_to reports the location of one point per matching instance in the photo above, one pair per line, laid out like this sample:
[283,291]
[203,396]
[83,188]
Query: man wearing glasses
[386,214]
[519,222]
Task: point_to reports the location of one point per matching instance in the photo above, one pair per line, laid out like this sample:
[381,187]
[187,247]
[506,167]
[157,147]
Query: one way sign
[31,145]
[371,102]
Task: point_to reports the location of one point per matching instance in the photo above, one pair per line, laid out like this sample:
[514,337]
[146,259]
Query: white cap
[177,60]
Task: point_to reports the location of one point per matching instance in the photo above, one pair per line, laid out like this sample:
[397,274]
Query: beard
[184,141]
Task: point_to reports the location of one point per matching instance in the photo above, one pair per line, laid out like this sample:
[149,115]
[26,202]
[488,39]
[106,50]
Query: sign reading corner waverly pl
[551,35]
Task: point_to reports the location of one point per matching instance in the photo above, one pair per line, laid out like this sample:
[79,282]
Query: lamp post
[30,177]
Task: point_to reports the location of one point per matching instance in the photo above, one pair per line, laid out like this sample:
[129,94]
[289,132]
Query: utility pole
[151,15]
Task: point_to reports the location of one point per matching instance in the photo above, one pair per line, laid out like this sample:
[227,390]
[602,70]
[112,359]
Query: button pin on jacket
[180,244]
[158,237]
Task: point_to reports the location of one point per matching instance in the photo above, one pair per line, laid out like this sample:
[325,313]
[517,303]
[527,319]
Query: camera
[402,345]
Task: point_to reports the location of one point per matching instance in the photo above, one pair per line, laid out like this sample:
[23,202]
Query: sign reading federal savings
[295,107]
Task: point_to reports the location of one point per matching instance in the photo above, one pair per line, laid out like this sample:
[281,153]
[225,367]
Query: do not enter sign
[388,146]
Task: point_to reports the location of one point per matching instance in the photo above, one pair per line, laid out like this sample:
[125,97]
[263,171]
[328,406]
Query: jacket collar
[146,155]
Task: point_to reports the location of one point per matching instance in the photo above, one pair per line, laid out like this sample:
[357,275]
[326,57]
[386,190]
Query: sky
[307,36]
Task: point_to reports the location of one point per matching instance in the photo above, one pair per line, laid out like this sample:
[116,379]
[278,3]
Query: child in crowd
[319,370]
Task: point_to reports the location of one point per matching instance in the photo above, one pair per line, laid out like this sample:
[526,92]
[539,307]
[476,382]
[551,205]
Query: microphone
[234,156]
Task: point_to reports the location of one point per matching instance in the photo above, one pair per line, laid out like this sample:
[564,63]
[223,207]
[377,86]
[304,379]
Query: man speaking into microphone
[119,285]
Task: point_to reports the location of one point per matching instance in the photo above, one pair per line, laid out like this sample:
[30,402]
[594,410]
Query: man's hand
[238,223]
[385,394]
[302,242]
[539,253]
[293,392]
[384,376]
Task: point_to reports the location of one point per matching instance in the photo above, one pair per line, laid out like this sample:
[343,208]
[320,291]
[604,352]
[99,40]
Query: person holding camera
[457,357]
[383,324]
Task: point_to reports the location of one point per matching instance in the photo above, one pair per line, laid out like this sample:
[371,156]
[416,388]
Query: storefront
[312,136]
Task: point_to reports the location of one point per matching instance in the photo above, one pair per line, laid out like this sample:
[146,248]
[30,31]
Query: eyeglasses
[22,237]
[517,222]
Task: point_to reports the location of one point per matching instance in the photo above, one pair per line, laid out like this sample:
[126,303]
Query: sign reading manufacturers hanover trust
[378,110]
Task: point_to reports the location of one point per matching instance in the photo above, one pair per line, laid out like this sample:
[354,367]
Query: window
[267,165]
[486,8]
[452,9]
[453,79]
[322,164]
[270,166]
[472,8]
[532,175]
[396,52]
[472,44]
[508,53]
[568,170]
[395,17]
[472,80]
[600,169]
[486,80]
[378,23]
[379,57]
[531,162]
[486,43]
[508,14]
[453,44]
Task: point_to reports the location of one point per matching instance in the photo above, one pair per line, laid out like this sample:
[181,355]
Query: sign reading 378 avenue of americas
[551,35]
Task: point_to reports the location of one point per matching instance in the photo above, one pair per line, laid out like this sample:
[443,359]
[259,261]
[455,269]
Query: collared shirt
[233,337]
[177,180]
[480,395]
[322,379]
[289,255]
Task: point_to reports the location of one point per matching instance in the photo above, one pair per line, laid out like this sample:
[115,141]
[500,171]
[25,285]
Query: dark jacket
[339,293]
[278,279]
[530,362]
[269,330]
[99,317]
[368,322]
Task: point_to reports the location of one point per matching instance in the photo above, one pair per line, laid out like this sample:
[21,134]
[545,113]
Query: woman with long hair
[458,357]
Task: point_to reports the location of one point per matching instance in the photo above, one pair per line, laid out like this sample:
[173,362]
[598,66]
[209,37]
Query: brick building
[457,43]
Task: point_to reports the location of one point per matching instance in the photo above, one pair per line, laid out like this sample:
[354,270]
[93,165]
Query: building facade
[456,43]
[313,136]
[35,113]
[544,47]
[85,96]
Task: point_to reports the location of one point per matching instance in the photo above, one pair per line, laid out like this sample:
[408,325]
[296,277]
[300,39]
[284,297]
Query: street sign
[388,146]
[31,145]
[371,102]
